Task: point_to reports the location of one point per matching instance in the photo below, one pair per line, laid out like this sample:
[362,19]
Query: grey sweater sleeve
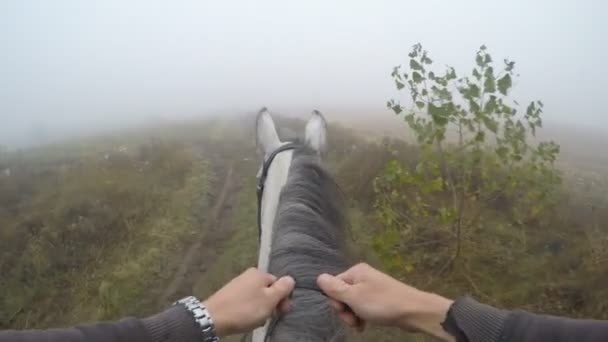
[172,325]
[470,321]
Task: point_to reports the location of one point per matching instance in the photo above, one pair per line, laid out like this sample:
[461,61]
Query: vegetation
[452,184]
[99,228]
[476,208]
[90,232]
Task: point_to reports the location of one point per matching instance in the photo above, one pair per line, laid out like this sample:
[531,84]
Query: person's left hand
[247,301]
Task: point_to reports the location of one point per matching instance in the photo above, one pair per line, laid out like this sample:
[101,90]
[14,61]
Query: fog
[75,66]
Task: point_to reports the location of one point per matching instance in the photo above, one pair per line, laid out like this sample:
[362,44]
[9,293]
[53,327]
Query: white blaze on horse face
[316,132]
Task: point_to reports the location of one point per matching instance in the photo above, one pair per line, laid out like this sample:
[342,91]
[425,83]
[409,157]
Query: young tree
[476,157]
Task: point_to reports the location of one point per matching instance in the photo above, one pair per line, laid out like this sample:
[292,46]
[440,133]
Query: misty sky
[72,64]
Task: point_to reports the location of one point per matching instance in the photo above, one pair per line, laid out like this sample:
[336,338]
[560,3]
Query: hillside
[122,224]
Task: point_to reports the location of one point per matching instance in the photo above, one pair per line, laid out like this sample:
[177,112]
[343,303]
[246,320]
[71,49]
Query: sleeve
[470,321]
[172,325]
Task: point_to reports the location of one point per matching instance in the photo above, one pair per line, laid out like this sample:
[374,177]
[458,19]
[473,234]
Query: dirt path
[204,250]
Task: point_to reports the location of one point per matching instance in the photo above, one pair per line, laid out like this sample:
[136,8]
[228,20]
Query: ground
[124,224]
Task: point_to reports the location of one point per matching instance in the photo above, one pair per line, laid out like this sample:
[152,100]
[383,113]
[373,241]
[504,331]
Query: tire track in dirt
[204,250]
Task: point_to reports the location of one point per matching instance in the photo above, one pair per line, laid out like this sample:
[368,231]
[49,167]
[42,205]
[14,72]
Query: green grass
[240,252]
[104,233]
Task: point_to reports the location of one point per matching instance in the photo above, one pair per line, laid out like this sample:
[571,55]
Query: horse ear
[316,132]
[267,138]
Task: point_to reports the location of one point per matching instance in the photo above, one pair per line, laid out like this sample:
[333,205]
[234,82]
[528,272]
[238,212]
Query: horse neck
[308,240]
[276,179]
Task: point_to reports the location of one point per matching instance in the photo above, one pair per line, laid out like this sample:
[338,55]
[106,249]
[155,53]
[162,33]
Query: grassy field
[122,224]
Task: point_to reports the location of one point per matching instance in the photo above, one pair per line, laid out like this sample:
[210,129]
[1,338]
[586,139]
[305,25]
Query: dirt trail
[204,250]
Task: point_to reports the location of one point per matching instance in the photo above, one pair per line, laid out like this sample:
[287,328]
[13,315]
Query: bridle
[264,175]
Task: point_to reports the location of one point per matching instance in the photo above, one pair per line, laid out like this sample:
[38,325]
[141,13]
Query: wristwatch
[201,317]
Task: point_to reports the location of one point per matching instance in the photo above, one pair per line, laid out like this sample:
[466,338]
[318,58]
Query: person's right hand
[376,297]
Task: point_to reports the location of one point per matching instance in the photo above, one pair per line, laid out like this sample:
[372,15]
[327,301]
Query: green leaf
[473,106]
[415,49]
[470,92]
[502,151]
[491,105]
[487,59]
[442,93]
[509,65]
[399,85]
[415,65]
[490,124]
[531,110]
[451,74]
[476,74]
[479,59]
[489,85]
[420,104]
[480,136]
[397,109]
[438,114]
[395,72]
[504,84]
[416,77]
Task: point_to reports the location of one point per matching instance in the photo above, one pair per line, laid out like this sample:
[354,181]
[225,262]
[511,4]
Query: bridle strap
[264,175]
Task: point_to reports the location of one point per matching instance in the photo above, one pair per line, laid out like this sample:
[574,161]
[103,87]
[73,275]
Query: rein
[264,175]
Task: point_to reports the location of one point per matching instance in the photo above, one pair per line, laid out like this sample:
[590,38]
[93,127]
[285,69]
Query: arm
[243,304]
[365,294]
[480,322]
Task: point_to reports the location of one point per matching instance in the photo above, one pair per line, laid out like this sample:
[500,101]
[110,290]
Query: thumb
[334,287]
[281,288]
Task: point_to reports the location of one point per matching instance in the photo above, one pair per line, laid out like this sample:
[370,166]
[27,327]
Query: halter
[264,175]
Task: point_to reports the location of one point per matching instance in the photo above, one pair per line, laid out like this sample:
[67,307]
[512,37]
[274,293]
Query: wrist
[221,324]
[201,316]
[424,312]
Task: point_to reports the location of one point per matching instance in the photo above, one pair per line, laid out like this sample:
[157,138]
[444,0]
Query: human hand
[378,298]
[247,301]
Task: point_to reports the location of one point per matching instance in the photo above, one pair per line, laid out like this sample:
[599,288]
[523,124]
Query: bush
[475,164]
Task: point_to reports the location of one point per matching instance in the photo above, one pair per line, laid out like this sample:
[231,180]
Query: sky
[71,66]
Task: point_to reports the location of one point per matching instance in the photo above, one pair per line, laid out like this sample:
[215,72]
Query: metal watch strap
[201,317]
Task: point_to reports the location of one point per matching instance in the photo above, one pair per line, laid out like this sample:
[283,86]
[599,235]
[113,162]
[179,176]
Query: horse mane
[308,239]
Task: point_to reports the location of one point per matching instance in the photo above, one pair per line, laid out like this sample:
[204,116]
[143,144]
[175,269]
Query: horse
[301,225]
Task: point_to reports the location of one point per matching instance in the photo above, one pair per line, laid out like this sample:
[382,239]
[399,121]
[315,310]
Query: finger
[336,305]
[284,306]
[280,289]
[334,287]
[349,318]
[269,279]
[347,276]
[355,274]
